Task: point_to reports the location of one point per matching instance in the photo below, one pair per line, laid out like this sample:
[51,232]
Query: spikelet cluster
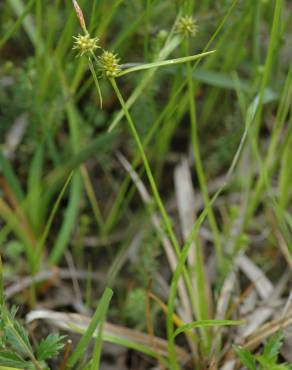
[187,26]
[109,64]
[85,45]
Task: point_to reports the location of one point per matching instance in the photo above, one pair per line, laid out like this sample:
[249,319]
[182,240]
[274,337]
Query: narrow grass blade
[98,342]
[17,24]
[175,279]
[68,221]
[165,63]
[204,324]
[55,208]
[220,79]
[1,283]
[28,24]
[285,177]
[10,176]
[34,198]
[94,323]
[185,251]
[92,198]
[12,220]
[274,38]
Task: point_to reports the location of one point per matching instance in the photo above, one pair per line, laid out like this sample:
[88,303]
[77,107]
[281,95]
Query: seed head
[109,64]
[187,26]
[85,45]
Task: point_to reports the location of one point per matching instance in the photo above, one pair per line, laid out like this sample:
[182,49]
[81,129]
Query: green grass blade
[41,243]
[12,220]
[28,24]
[92,198]
[69,221]
[33,202]
[10,177]
[1,283]
[147,350]
[94,323]
[98,341]
[285,178]
[220,79]
[17,24]
[176,276]
[204,324]
[121,341]
[165,63]
[159,203]
[274,38]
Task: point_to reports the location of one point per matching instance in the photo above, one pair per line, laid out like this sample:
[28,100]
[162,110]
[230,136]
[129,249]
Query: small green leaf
[273,346]
[270,364]
[18,338]
[246,358]
[9,358]
[49,347]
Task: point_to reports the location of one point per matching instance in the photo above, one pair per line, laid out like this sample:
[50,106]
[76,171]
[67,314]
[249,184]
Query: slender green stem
[255,121]
[272,149]
[156,195]
[1,284]
[199,164]
[165,217]
[255,37]
[39,24]
[92,198]
[92,70]
[165,115]
[147,29]
[274,38]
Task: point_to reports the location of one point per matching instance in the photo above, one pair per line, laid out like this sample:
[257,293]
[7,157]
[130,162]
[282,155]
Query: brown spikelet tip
[79,15]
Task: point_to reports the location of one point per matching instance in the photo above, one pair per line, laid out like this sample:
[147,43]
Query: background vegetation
[167,210]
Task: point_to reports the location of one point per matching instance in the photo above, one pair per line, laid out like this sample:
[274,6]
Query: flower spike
[187,26]
[85,45]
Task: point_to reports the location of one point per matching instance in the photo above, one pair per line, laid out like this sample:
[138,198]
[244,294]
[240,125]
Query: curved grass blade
[204,324]
[165,63]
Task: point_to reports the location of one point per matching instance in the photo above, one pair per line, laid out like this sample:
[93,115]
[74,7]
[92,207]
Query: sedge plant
[107,66]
